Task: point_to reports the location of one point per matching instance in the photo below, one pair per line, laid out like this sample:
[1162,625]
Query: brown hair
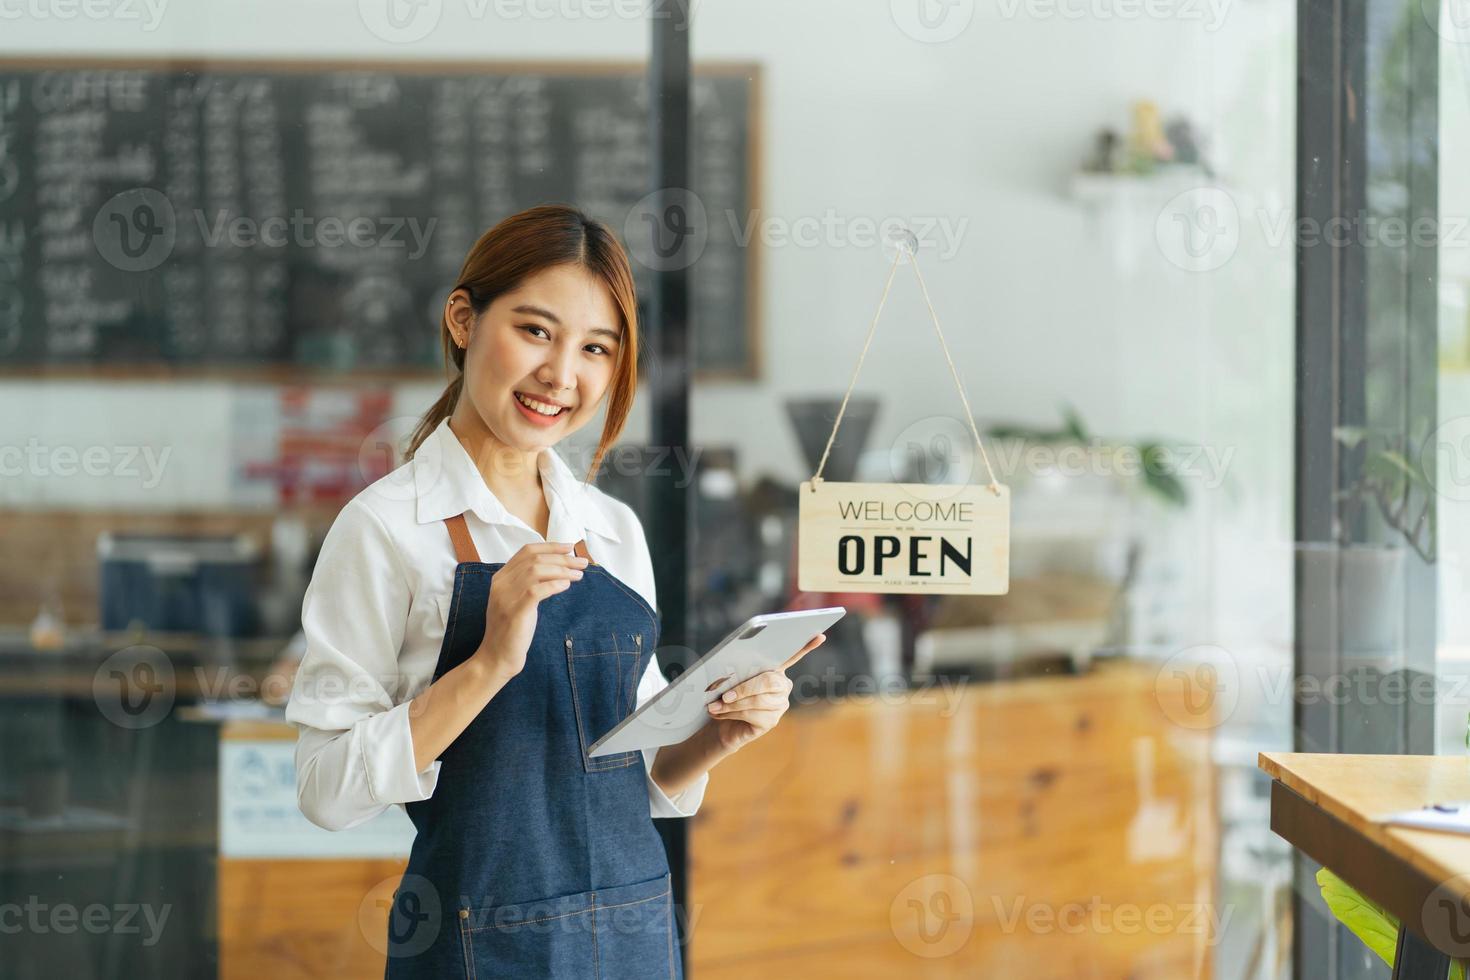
[519,247]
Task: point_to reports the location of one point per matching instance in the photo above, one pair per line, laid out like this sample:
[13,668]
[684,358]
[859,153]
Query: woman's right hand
[532,573]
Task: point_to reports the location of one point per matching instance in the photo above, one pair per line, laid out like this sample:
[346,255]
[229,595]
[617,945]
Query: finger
[812,644]
[766,680]
[541,590]
[761,719]
[543,570]
[765,701]
[569,561]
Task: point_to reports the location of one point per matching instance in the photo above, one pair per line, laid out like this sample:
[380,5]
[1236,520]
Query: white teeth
[537,407]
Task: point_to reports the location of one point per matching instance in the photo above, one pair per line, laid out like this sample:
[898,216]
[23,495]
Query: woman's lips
[536,418]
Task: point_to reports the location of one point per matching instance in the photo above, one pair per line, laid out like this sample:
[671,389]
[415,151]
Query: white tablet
[762,643]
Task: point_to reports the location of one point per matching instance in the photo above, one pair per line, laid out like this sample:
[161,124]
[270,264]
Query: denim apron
[532,858]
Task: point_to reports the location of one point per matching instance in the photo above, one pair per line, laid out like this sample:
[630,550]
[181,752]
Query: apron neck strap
[464,545]
[459,533]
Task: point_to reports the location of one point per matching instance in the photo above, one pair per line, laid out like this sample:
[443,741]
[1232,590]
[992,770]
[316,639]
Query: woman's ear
[461,317]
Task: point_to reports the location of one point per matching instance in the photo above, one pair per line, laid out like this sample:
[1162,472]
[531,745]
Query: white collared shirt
[376,609]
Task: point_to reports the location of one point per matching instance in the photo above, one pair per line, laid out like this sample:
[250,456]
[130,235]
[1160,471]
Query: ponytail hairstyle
[514,250]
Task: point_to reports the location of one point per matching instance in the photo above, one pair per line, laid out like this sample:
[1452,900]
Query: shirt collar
[446,482]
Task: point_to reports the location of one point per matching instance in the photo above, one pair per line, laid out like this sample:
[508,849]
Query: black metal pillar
[1366,325]
[669,333]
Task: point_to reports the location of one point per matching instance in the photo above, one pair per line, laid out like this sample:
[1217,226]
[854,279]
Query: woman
[479,617]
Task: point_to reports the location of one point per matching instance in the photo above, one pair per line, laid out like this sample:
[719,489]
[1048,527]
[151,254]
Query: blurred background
[226,232]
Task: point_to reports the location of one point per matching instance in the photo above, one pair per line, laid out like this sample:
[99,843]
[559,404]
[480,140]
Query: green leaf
[1375,928]
[1415,473]
[1072,424]
[1166,485]
[1350,435]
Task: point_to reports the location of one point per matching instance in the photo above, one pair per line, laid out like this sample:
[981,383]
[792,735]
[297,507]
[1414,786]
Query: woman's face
[548,346]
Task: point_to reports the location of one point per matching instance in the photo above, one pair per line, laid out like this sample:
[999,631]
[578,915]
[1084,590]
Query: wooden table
[1327,806]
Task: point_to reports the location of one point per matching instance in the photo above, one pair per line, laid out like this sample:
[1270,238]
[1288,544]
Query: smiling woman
[467,644]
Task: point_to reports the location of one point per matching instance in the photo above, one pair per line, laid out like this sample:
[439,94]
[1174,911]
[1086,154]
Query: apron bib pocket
[603,676]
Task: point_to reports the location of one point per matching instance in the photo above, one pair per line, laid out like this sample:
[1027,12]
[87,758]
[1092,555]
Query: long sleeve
[683,804]
[354,749]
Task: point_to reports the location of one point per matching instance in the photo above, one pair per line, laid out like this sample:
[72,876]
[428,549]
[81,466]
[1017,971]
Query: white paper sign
[259,817]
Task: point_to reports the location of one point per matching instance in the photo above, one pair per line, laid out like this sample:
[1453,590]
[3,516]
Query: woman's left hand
[750,709]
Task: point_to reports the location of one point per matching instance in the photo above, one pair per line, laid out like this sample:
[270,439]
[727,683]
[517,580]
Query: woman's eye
[532,327]
[600,348]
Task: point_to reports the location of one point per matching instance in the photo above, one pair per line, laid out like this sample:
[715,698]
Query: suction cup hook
[901,244]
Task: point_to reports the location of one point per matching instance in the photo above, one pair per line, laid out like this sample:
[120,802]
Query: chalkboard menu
[309,216]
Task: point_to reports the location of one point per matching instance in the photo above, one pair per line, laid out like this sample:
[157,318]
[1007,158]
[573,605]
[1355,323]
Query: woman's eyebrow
[543,312]
[538,311]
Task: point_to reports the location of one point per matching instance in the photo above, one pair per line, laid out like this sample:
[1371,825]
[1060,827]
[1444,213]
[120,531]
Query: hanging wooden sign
[904,537]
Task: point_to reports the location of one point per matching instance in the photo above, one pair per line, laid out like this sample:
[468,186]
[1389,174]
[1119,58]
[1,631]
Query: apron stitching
[593,907]
[596,953]
[651,612]
[468,948]
[507,927]
[454,606]
[591,764]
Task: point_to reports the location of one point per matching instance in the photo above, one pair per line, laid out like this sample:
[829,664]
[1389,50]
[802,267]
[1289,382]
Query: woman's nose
[559,372]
